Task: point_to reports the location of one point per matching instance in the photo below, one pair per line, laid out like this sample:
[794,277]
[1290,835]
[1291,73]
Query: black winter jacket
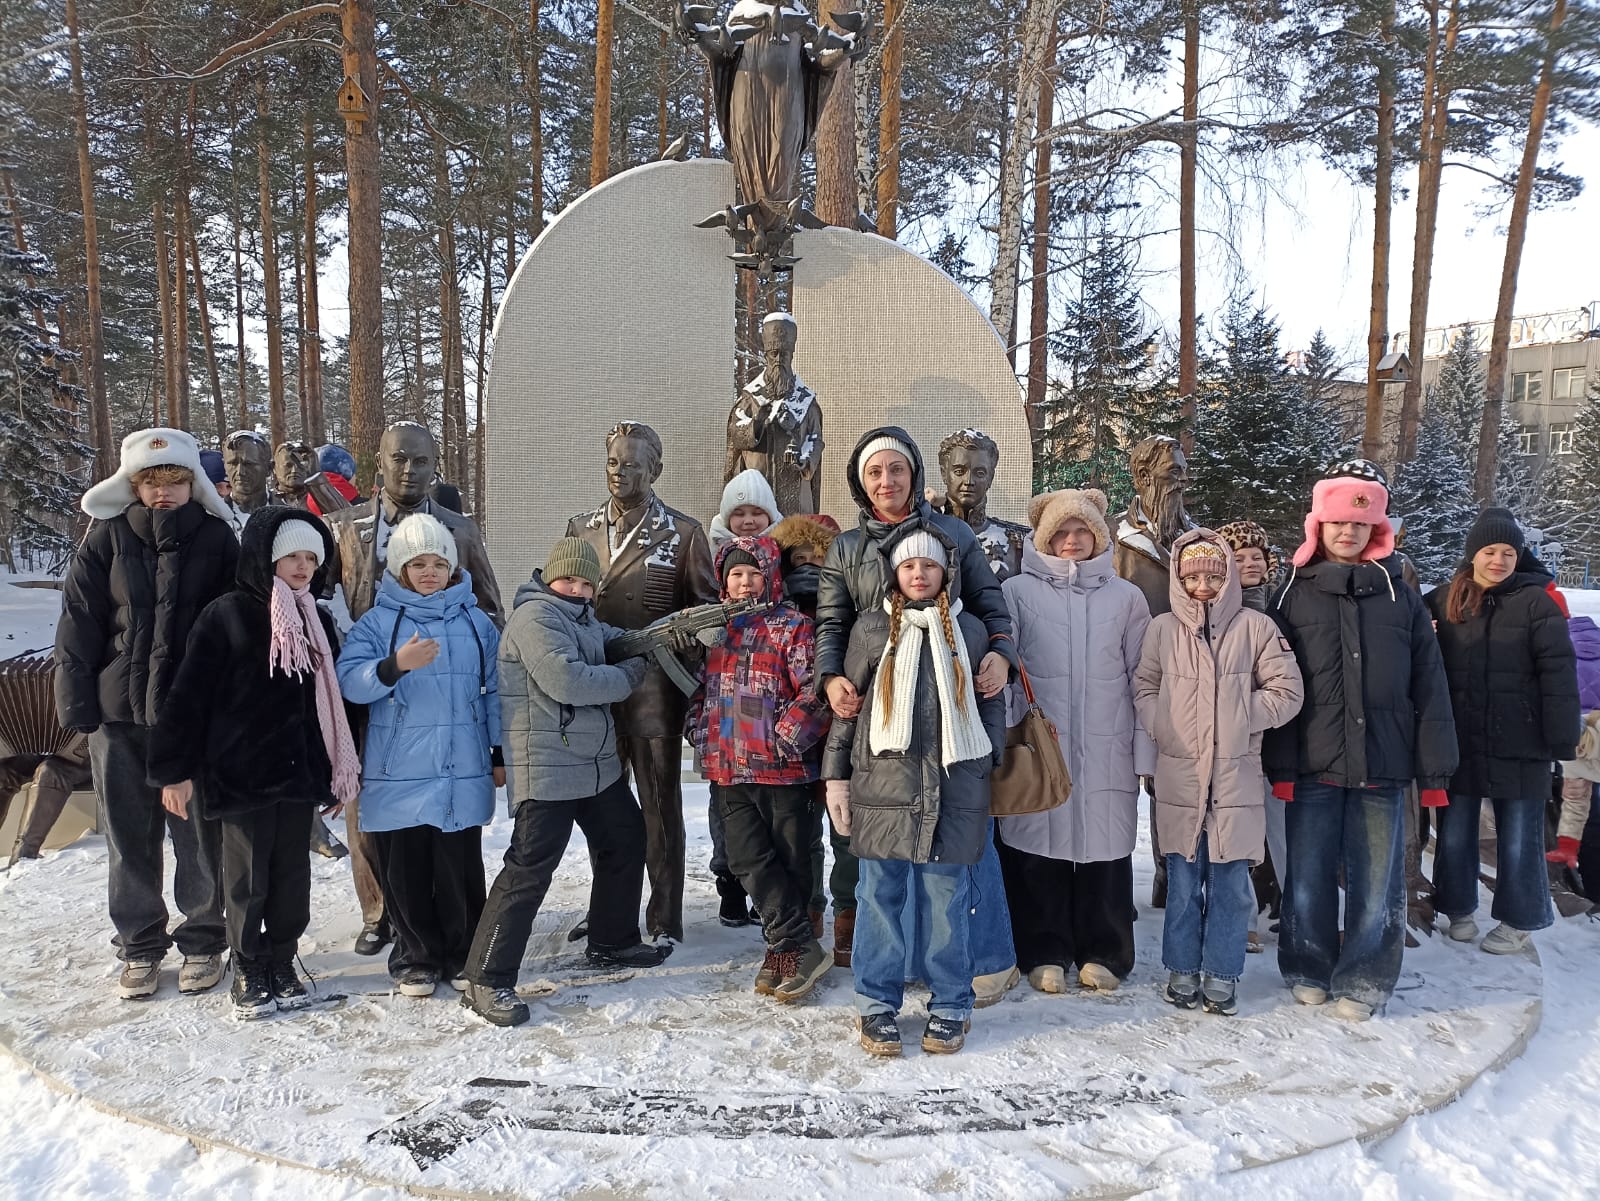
[132,593]
[1514,686]
[248,739]
[904,805]
[1377,708]
[856,573]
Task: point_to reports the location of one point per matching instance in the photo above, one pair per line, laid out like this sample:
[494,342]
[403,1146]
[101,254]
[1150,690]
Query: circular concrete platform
[681,1082]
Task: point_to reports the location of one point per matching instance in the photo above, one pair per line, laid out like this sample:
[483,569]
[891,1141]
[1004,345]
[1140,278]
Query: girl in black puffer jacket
[1514,688]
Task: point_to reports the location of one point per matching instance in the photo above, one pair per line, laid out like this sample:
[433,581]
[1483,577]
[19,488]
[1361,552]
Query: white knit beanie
[885,442]
[750,487]
[419,534]
[920,545]
[298,533]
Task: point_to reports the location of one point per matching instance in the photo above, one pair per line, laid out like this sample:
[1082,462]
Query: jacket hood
[802,530]
[1230,600]
[1585,637]
[858,493]
[1081,574]
[1529,563]
[255,549]
[392,594]
[952,571]
[536,589]
[766,554]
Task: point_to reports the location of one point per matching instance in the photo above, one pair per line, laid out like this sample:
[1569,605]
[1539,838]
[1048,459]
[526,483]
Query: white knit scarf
[961,732]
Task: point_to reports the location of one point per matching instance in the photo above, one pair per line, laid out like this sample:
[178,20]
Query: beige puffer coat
[1211,679]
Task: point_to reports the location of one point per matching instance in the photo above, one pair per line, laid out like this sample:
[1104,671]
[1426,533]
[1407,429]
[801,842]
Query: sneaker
[140,979]
[1182,989]
[197,973]
[1218,997]
[640,954]
[1310,994]
[498,1006]
[944,1036]
[800,970]
[880,1034]
[1505,940]
[418,982]
[251,993]
[1049,977]
[991,989]
[1098,977]
[1348,1009]
[286,988]
[769,975]
[844,936]
[373,938]
[1463,929]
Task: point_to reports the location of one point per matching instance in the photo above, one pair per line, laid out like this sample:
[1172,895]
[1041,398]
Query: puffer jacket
[1586,645]
[856,574]
[756,715]
[905,806]
[556,693]
[1212,678]
[131,597]
[248,737]
[1377,706]
[1079,631]
[426,760]
[1513,688]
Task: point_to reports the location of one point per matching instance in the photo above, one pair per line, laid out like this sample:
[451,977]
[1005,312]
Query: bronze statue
[776,424]
[247,458]
[967,462]
[657,561]
[771,70]
[1154,519]
[297,477]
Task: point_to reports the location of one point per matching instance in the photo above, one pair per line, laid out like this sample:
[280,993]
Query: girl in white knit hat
[422,660]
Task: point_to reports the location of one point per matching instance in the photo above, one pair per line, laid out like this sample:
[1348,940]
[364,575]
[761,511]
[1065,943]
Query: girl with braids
[908,781]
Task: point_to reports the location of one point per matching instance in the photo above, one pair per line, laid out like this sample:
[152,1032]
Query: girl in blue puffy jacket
[422,660]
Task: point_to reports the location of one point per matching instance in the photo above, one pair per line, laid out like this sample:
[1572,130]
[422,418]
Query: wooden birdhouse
[354,106]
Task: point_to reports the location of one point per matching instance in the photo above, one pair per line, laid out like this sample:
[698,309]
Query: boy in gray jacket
[560,744]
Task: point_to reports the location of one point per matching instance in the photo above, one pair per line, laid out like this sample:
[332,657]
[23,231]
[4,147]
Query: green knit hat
[572,558]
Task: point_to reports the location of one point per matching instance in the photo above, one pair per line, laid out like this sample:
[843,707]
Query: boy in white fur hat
[161,551]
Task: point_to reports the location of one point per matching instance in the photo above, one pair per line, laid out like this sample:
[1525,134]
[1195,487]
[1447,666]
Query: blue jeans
[1363,831]
[1522,885]
[1209,908]
[992,947]
[943,948]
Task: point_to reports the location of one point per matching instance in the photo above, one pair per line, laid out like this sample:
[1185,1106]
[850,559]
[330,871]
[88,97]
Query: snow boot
[817,927]
[1182,989]
[640,954]
[373,938]
[1049,977]
[1310,994]
[1348,1009]
[944,1036]
[735,908]
[287,990]
[1217,996]
[800,970]
[418,982]
[252,991]
[880,1034]
[1099,977]
[991,989]
[497,1006]
[844,936]
[1505,940]
[325,842]
[198,973]
[1566,852]
[140,978]
[770,974]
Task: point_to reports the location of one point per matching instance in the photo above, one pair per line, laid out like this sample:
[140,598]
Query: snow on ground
[27,614]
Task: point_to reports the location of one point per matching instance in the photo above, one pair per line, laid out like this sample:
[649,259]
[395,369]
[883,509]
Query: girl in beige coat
[1212,677]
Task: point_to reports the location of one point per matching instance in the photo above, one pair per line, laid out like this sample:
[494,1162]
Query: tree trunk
[1432,134]
[277,416]
[106,456]
[1516,232]
[661,95]
[167,391]
[453,402]
[479,486]
[238,283]
[219,405]
[365,243]
[536,140]
[296,252]
[1039,285]
[600,146]
[311,321]
[889,72]
[1382,212]
[180,298]
[836,140]
[1188,188]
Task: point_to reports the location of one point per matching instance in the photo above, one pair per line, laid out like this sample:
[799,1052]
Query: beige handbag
[1033,776]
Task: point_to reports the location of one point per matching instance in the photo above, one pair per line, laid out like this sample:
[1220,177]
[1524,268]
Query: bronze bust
[776,424]
[1154,519]
[967,462]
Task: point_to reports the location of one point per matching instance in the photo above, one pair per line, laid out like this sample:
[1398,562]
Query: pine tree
[1575,490]
[1459,390]
[1434,496]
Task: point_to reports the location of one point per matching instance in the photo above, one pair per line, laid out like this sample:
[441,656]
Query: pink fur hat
[1348,499]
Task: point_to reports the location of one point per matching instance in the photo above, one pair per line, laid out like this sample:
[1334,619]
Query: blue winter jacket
[427,756]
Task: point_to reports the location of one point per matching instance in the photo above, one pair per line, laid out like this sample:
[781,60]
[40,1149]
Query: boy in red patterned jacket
[754,718]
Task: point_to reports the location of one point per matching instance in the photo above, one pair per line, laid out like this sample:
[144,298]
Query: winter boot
[1566,852]
[880,1034]
[325,842]
[373,938]
[735,907]
[800,970]
[640,954]
[1098,977]
[1505,940]
[991,989]
[944,1036]
[252,991]
[498,1006]
[1049,977]
[1310,994]
[1182,990]
[198,973]
[418,982]
[816,924]
[844,936]
[1348,1009]
[1218,997]
[768,977]
[287,990]
[140,979]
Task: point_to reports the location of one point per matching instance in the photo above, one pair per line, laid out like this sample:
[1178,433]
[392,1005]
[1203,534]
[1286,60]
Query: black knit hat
[1494,526]
[738,557]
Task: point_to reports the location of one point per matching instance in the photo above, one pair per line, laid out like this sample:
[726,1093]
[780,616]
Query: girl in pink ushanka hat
[1348,501]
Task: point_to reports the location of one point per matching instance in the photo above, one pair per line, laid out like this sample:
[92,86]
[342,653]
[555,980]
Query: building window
[1528,442]
[1561,438]
[1527,387]
[1566,383]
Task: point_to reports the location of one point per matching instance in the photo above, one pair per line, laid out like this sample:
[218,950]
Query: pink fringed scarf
[294,613]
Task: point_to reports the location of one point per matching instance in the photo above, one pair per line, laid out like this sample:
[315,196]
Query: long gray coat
[1079,633]
[556,693]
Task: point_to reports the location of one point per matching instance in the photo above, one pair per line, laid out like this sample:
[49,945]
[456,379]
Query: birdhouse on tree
[354,106]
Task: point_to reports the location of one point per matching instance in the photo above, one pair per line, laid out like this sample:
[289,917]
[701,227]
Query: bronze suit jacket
[664,566]
[355,562]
